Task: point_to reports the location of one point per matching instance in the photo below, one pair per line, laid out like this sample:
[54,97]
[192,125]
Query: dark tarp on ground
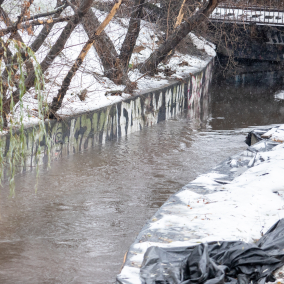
[255,136]
[217,262]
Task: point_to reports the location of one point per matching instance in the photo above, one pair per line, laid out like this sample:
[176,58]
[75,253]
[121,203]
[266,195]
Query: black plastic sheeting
[257,135]
[217,262]
[253,137]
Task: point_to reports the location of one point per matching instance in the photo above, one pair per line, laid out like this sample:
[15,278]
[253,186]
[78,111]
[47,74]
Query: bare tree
[53,53]
[181,17]
[57,101]
[180,33]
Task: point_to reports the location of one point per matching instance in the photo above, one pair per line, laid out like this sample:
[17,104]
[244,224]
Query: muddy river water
[90,206]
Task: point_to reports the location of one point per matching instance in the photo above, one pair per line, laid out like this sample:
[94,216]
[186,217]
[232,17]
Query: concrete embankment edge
[86,130]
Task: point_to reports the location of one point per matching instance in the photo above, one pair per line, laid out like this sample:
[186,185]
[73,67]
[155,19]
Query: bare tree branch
[44,33]
[55,50]
[103,46]
[14,30]
[180,14]
[173,40]
[34,23]
[57,101]
[17,36]
[74,7]
[34,46]
[57,10]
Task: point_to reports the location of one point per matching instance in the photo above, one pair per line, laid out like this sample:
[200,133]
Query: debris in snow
[83,94]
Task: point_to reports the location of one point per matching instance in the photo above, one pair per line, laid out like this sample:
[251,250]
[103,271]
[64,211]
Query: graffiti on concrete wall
[275,37]
[118,120]
[198,94]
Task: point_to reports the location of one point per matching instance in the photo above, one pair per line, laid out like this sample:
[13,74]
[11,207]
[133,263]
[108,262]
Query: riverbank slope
[239,199]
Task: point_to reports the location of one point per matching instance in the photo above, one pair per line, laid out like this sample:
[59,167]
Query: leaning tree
[183,16]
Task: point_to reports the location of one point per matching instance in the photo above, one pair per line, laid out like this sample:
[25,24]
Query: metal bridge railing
[265,12]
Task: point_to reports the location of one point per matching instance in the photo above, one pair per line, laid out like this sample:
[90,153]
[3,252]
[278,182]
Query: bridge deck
[260,15]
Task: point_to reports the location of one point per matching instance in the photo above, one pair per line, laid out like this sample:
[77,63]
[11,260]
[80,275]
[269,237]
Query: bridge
[250,29]
[246,12]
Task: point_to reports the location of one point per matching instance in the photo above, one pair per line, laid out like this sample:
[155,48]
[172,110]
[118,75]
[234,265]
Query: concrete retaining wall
[112,122]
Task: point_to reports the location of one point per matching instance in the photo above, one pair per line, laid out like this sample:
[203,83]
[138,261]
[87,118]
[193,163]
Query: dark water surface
[90,206]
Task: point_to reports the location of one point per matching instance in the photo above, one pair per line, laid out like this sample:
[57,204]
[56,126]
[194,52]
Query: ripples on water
[90,206]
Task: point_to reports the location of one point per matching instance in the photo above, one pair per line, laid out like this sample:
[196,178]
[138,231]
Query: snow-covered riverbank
[240,199]
[90,78]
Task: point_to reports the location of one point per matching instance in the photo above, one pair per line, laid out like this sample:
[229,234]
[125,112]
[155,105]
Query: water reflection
[246,105]
[90,206]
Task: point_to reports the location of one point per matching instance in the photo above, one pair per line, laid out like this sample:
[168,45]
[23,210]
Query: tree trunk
[132,34]
[180,14]
[152,12]
[105,49]
[173,40]
[37,43]
[103,44]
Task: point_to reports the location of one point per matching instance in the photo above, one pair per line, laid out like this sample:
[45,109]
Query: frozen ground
[90,76]
[240,199]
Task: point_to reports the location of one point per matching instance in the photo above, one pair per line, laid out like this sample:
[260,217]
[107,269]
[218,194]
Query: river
[89,207]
